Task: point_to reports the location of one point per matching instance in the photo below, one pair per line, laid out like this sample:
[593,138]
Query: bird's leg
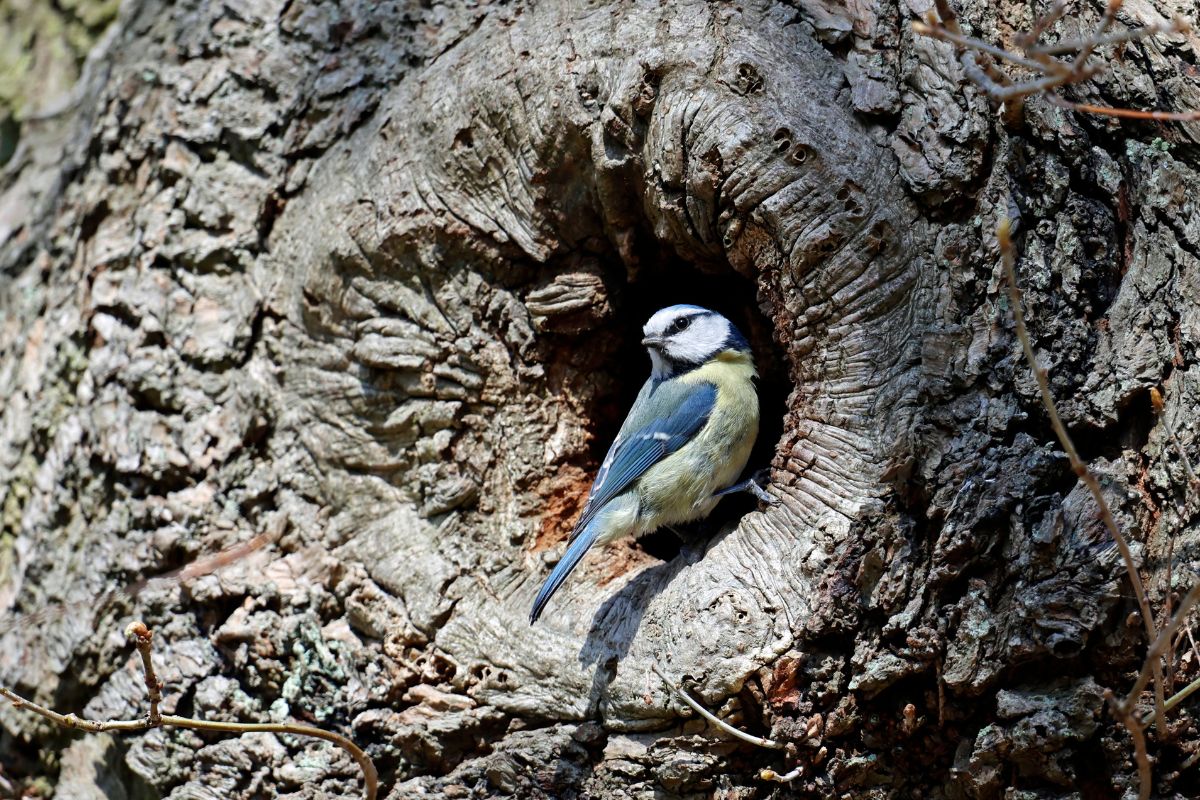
[752,486]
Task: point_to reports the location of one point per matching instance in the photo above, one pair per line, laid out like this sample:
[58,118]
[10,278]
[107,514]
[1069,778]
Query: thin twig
[1132,35]
[1160,645]
[1141,755]
[949,18]
[1156,399]
[1041,85]
[972,43]
[1089,45]
[787,777]
[73,722]
[1182,694]
[1125,113]
[1042,24]
[715,720]
[980,59]
[1004,236]
[142,637]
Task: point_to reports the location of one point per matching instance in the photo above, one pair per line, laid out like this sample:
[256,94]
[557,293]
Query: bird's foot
[753,485]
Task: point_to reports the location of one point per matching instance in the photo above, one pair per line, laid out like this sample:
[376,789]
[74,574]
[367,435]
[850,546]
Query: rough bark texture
[372,275]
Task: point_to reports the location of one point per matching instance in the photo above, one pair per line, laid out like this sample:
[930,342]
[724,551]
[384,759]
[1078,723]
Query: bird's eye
[680,324]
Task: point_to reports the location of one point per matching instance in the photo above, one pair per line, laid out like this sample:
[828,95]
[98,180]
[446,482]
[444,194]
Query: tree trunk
[368,279]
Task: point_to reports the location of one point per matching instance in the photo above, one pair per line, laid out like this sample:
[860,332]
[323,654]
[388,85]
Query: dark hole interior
[664,281]
[10,136]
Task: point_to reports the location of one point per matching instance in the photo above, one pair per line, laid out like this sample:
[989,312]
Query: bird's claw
[753,485]
[762,494]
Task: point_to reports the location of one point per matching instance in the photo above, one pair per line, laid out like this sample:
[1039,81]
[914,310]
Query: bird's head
[681,338]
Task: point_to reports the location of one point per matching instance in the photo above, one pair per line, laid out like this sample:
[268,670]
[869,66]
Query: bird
[683,444]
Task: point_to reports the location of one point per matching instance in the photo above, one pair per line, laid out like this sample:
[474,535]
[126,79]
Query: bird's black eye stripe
[680,324]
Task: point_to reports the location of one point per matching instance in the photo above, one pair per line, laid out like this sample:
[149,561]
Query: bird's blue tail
[570,560]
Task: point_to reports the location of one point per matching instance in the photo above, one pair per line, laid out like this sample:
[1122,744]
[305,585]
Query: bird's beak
[652,341]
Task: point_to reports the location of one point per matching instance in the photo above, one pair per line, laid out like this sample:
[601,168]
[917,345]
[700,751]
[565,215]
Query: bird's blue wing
[662,421]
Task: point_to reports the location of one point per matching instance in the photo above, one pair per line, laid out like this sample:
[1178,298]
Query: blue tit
[684,443]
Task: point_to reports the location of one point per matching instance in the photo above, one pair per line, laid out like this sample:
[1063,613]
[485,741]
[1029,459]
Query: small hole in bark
[1131,431]
[799,154]
[644,102]
[783,140]
[748,80]
[849,195]
[1065,648]
[153,338]
[881,237]
[10,136]
[464,139]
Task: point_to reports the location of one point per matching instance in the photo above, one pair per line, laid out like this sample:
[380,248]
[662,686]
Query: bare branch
[1126,113]
[142,638]
[70,720]
[708,715]
[1156,399]
[1182,694]
[1140,755]
[787,777]
[968,42]
[1008,255]
[1075,45]
[1160,645]
[980,59]
[1042,24]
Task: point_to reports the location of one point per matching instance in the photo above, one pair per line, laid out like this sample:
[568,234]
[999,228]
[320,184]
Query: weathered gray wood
[373,275]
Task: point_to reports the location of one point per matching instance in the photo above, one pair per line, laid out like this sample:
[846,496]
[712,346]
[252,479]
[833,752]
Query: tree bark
[369,278]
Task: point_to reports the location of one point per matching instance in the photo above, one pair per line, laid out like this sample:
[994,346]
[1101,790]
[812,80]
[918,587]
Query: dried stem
[1043,24]
[787,777]
[1004,235]
[1140,755]
[142,638]
[980,59]
[1126,113]
[1106,21]
[73,722]
[967,42]
[708,715]
[1160,645]
[1182,694]
[1193,482]
[1153,662]
[1076,45]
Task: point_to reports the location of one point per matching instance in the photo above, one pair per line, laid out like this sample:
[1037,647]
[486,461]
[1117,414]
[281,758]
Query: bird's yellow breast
[680,487]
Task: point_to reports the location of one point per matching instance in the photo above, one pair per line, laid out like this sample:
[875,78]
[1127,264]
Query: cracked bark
[374,273]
